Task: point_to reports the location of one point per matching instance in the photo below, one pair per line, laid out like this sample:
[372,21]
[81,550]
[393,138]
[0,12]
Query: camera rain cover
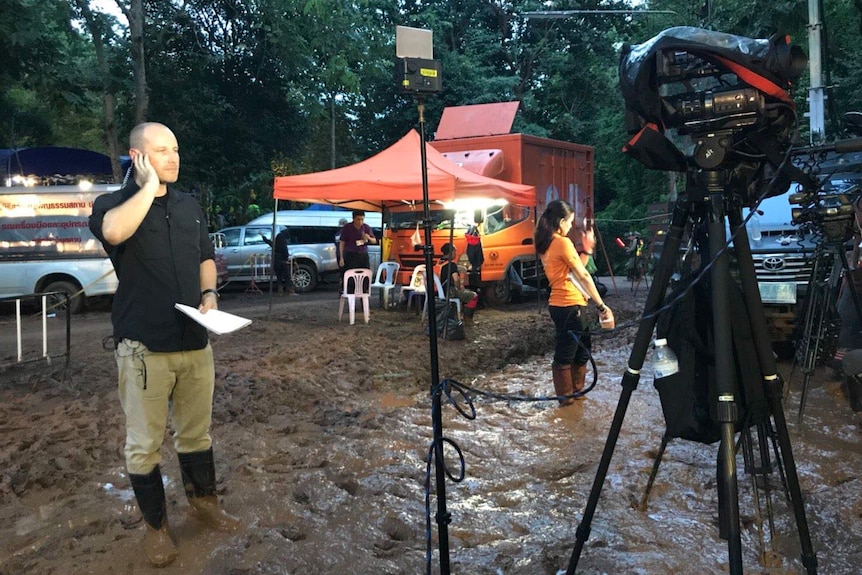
[766,65]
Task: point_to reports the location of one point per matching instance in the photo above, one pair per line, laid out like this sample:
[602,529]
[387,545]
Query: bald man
[157,240]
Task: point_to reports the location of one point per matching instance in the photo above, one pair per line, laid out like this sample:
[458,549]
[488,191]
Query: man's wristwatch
[602,308]
[212,291]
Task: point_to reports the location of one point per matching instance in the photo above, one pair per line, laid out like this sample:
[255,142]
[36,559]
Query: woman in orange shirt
[567,302]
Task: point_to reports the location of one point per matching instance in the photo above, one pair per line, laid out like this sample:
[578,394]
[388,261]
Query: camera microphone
[849,145]
[840,146]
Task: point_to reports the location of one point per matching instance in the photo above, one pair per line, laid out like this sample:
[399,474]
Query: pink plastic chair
[357,284]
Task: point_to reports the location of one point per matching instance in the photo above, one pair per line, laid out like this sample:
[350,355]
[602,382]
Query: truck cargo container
[557,170]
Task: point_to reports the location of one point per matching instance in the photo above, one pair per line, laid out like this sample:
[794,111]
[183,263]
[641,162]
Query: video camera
[831,214]
[730,94]
[714,106]
[827,205]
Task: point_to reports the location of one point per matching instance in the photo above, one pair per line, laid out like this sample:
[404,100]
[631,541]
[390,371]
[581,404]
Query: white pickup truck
[46,244]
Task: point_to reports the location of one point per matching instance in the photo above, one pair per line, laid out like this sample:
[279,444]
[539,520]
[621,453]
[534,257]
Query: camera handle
[706,190]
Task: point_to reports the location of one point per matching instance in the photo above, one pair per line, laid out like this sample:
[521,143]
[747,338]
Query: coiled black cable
[450,388]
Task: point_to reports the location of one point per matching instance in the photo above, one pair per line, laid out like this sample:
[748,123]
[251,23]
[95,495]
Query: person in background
[567,303]
[341,223]
[281,261]
[157,240]
[635,251]
[353,243]
[452,280]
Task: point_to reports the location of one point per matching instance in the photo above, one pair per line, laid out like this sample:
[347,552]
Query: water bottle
[754,227]
[665,362]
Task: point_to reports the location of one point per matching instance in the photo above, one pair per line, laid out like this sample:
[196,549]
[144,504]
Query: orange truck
[558,170]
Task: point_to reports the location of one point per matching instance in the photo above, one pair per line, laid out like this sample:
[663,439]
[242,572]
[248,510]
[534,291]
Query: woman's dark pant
[567,351]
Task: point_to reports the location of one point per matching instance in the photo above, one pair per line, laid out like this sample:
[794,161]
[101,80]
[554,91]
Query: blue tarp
[53,161]
[325,208]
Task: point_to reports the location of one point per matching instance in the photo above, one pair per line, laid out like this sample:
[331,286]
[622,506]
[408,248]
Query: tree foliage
[257,87]
[44,72]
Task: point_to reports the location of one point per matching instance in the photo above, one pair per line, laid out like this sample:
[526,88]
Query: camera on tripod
[730,94]
[830,214]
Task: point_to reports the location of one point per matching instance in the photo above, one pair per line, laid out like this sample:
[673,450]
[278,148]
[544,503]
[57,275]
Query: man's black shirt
[158,266]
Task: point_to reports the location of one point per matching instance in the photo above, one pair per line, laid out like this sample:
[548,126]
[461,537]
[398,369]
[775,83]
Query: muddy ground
[321,434]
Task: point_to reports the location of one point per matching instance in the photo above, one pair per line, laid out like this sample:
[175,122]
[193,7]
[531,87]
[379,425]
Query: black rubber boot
[199,482]
[150,493]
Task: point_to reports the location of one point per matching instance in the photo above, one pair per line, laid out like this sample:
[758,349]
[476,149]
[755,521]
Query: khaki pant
[151,385]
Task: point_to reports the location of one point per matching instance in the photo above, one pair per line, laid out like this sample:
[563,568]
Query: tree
[100,31]
[308,85]
[223,76]
[44,99]
[134,12]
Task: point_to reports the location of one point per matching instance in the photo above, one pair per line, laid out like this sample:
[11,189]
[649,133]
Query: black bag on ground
[688,398]
[448,325]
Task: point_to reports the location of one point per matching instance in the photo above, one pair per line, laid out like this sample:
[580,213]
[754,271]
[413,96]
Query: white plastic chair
[416,287]
[441,295]
[387,275]
[357,284]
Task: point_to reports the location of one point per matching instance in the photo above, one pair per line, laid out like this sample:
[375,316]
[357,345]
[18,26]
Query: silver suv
[783,256]
[782,263]
[246,252]
[311,246]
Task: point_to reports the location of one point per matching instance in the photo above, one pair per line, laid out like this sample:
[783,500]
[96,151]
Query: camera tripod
[706,197]
[758,466]
[830,259]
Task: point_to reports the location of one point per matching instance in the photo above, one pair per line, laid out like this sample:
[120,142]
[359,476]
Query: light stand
[417,73]
[443,517]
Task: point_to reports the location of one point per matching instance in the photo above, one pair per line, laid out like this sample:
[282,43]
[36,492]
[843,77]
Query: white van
[46,244]
[312,244]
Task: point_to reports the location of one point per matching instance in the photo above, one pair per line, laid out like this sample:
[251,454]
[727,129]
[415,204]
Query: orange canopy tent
[394,177]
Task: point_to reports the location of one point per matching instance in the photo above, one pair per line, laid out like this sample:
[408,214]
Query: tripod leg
[845,266]
[644,500]
[661,279]
[772,385]
[751,469]
[728,411]
[805,353]
[766,467]
[823,301]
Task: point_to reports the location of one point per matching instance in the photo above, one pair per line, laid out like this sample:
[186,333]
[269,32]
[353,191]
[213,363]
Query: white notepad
[217,321]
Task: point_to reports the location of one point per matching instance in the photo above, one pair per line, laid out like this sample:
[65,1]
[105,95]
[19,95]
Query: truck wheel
[305,278]
[499,293]
[76,304]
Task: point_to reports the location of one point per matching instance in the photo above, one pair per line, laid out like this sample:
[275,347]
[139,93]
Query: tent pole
[272,258]
[540,302]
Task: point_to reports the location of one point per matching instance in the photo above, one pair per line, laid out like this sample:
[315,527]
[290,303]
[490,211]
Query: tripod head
[726,98]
